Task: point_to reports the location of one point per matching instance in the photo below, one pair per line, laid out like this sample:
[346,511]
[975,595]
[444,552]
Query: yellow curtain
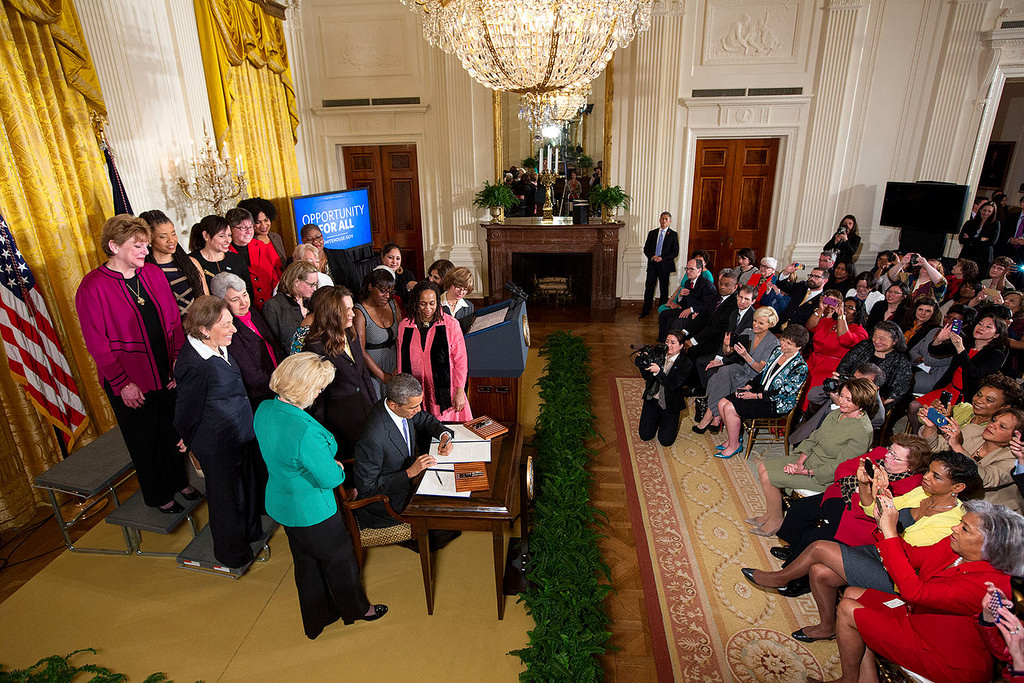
[55,195]
[252,99]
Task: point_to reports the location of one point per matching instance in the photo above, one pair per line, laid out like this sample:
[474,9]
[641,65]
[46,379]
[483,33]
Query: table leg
[499,566]
[424,545]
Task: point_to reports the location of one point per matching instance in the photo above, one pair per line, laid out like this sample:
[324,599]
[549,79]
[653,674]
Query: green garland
[569,579]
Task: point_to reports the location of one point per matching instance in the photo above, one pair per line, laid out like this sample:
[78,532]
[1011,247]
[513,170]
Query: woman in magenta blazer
[132,328]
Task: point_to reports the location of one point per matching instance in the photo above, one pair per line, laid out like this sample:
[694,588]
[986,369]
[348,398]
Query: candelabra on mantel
[211,180]
[547,176]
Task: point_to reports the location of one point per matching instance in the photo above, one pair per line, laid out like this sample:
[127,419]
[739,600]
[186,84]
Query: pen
[438,475]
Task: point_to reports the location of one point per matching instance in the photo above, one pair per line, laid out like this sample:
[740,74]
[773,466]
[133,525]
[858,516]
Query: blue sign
[343,217]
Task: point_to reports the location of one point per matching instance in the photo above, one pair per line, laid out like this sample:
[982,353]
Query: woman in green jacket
[300,496]
[845,433]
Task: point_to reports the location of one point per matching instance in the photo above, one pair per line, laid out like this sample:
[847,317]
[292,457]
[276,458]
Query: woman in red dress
[835,333]
[930,629]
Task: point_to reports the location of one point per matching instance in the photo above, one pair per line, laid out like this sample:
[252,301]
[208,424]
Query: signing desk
[486,510]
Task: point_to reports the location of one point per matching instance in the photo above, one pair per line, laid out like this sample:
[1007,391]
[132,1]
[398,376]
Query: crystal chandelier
[532,46]
[557,106]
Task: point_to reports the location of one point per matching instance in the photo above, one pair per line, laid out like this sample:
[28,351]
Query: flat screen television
[343,217]
[927,207]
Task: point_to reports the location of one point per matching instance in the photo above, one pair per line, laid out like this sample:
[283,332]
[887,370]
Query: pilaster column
[839,55]
[947,139]
[650,84]
[311,156]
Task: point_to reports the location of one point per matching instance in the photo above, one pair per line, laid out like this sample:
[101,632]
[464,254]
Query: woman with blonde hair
[302,478]
[310,254]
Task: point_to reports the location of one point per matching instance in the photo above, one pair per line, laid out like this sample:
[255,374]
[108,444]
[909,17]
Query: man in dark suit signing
[392,452]
[661,250]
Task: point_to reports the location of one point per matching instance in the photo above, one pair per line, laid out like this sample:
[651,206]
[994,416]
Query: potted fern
[610,199]
[496,198]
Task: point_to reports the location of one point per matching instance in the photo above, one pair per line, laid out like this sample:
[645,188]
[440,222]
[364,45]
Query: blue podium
[496,346]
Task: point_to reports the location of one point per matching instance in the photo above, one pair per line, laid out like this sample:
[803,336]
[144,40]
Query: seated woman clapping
[926,516]
[836,514]
[931,631]
[845,433]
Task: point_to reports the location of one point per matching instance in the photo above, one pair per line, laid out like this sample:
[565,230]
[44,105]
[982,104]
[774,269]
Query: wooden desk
[483,511]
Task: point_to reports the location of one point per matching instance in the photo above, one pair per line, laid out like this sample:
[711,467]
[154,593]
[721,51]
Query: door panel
[733,185]
[391,174]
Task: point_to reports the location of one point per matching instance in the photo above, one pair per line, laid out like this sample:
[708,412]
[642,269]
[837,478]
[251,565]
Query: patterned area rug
[688,509]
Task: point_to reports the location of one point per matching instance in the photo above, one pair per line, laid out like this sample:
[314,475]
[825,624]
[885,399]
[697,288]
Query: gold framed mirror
[514,141]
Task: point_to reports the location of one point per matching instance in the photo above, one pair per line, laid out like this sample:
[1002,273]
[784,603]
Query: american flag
[31,344]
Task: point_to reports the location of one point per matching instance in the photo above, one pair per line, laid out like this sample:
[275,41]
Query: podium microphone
[516,291]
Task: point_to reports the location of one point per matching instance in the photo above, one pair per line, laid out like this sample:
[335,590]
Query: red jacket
[264,270]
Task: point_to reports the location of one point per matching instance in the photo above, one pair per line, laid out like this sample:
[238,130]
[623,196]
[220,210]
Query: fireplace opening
[558,280]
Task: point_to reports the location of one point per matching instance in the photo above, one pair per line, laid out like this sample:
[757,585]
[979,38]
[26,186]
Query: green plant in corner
[530,163]
[585,162]
[568,578]
[610,199]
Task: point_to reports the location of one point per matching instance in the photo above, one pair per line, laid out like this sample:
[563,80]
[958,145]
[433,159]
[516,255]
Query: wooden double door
[390,173]
[733,184]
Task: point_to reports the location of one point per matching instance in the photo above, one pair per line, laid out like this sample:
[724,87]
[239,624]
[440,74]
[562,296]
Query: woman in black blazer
[214,418]
[979,235]
[347,401]
[663,395]
[253,347]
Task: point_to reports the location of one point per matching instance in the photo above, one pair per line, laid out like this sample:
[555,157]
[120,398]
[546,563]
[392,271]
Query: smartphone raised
[956,326]
[938,418]
[945,397]
[830,301]
[869,467]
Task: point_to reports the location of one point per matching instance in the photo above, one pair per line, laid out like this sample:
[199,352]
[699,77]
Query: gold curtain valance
[231,31]
[71,48]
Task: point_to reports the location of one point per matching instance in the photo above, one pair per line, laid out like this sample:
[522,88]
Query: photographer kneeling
[663,395]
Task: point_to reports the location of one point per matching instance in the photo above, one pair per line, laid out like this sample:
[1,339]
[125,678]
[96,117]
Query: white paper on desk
[430,486]
[466,447]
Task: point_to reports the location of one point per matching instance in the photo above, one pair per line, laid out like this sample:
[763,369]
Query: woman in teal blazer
[303,474]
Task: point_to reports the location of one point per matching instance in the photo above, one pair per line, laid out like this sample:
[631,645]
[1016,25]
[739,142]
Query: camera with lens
[652,354]
[833,384]
[842,230]
[913,260]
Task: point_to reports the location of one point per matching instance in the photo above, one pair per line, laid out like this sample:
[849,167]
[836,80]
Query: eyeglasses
[385,290]
[890,453]
[457,288]
[318,239]
[313,284]
[245,227]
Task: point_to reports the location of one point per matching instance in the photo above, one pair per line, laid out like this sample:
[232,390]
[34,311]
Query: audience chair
[373,538]
[777,428]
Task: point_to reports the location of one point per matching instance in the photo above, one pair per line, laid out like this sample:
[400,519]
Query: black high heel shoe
[699,430]
[378,612]
[715,428]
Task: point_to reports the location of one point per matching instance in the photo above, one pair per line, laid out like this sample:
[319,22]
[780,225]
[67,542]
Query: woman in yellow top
[925,518]
[989,447]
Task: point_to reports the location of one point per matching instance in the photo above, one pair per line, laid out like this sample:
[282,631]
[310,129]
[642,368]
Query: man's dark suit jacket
[711,327]
[797,313]
[381,458]
[1009,229]
[212,413]
[669,251]
[703,297]
[343,269]
[253,360]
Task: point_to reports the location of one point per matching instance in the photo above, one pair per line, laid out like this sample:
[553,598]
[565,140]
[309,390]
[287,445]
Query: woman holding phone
[835,333]
[975,354]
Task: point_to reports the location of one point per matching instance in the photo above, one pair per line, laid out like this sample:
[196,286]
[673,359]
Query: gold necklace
[138,294]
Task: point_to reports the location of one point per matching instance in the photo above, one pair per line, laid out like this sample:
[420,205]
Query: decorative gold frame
[609,97]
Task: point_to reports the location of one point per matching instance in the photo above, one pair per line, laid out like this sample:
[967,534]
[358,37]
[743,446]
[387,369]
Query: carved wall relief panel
[742,32]
[363,47]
